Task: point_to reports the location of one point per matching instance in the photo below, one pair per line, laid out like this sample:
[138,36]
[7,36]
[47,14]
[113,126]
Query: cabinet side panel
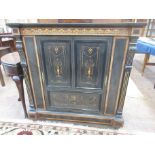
[21,51]
[116,75]
[126,75]
[34,72]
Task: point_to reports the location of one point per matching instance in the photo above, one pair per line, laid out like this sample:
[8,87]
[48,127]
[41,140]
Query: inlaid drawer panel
[74,101]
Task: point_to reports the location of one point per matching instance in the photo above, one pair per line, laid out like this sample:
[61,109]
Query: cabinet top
[25,25]
[106,29]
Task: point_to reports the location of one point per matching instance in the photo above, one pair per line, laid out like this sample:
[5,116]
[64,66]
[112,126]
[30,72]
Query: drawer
[74,101]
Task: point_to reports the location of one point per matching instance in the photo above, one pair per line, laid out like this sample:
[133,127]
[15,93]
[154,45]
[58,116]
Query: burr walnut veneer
[77,72]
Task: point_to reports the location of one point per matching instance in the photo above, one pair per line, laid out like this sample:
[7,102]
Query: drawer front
[74,101]
[90,58]
[56,58]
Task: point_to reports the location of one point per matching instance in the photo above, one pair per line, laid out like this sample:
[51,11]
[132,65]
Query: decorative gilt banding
[75,31]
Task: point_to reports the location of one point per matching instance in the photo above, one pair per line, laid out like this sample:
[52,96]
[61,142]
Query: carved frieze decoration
[74,31]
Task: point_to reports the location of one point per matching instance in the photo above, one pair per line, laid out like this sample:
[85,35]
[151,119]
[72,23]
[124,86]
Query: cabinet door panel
[90,63]
[56,57]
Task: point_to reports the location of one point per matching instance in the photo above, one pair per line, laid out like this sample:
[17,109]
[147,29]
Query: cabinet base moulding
[113,121]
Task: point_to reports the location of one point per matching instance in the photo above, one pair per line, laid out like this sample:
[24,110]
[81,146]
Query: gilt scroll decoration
[75,31]
[58,60]
[89,56]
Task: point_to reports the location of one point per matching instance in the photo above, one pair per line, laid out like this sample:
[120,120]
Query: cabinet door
[56,58]
[90,56]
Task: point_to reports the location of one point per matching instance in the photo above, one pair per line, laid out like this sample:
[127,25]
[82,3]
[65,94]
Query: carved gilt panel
[90,63]
[57,62]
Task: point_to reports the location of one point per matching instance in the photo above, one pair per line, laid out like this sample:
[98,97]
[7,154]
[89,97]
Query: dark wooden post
[19,46]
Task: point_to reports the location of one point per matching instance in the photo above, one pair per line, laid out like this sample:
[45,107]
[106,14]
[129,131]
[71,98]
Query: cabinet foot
[117,122]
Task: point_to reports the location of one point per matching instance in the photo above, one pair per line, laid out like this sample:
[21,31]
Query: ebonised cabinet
[77,72]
